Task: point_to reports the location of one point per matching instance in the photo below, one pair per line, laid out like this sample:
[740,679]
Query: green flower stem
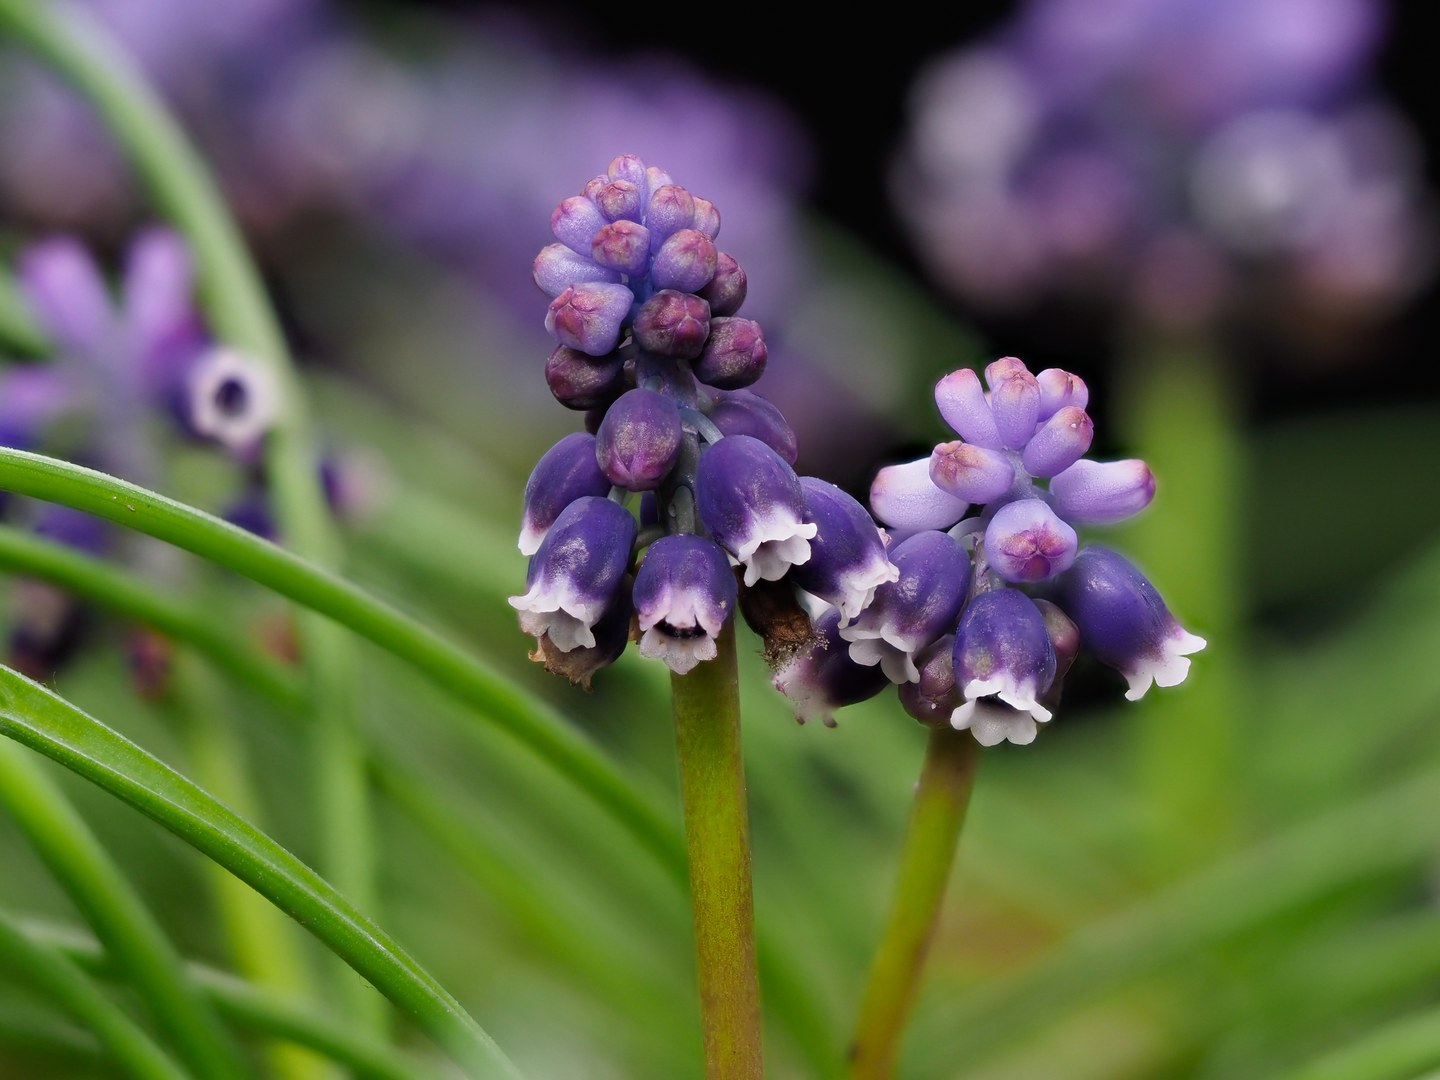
[102,894]
[463,676]
[39,719]
[127,1044]
[67,1048]
[946,779]
[717,835]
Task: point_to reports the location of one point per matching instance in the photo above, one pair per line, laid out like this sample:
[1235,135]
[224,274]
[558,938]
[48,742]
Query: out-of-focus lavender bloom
[684,593]
[823,678]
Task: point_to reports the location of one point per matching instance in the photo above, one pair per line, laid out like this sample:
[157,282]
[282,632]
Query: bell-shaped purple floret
[1059,390]
[933,696]
[674,324]
[639,439]
[972,474]
[734,355]
[753,505]
[1102,492]
[580,381]
[961,401]
[1002,652]
[685,261]
[1025,542]
[556,268]
[1014,401]
[65,292]
[1061,440]
[1124,622]
[727,289]
[910,612]
[566,472]
[904,497]
[847,556]
[743,412]
[684,592]
[589,316]
[822,678]
[575,574]
[32,396]
[612,634]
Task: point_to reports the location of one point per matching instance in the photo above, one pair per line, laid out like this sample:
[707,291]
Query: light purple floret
[961,401]
[564,473]
[66,294]
[904,497]
[1102,492]
[1062,440]
[1026,543]
[556,268]
[847,556]
[684,592]
[753,505]
[971,473]
[1014,401]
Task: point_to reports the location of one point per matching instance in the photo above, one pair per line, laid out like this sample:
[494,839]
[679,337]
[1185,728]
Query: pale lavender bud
[1025,542]
[743,412]
[1124,622]
[575,222]
[581,381]
[66,293]
[822,678]
[619,199]
[684,592]
[556,268]
[685,261]
[753,505]
[564,473]
[847,556]
[1061,441]
[576,573]
[904,497]
[671,208]
[933,696]
[971,473]
[734,355]
[727,289]
[232,399]
[639,440]
[623,246]
[656,178]
[707,218]
[589,316]
[674,324]
[920,605]
[630,168]
[1101,492]
[1060,390]
[1002,651]
[962,404]
[1014,401]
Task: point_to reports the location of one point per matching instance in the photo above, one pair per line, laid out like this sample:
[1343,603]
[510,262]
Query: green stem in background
[717,835]
[946,779]
[99,890]
[1179,411]
[17,325]
[1408,1047]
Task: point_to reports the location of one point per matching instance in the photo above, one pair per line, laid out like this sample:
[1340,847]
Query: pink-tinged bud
[581,381]
[1061,441]
[962,404]
[564,473]
[671,209]
[847,556]
[1060,390]
[575,222]
[630,168]
[707,218]
[686,261]
[639,440]
[556,268]
[684,593]
[1007,367]
[726,291]
[971,473]
[1014,402]
[656,178]
[734,355]
[822,678]
[743,412]
[674,324]
[904,497]
[622,246]
[752,502]
[1004,662]
[1102,492]
[933,696]
[590,316]
[619,199]
[1025,542]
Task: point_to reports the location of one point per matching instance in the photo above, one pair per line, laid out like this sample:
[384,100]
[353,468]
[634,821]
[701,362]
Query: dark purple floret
[823,678]
[564,473]
[753,505]
[847,556]
[639,439]
[674,324]
[727,289]
[743,412]
[581,381]
[734,356]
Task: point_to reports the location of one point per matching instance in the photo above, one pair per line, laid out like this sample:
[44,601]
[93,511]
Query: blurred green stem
[947,778]
[717,836]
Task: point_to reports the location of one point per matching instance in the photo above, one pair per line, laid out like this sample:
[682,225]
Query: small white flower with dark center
[232,399]
[684,592]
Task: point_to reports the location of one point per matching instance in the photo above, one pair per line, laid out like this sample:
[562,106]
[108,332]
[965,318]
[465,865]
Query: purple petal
[961,400]
[67,294]
[1059,390]
[1098,493]
[971,473]
[904,496]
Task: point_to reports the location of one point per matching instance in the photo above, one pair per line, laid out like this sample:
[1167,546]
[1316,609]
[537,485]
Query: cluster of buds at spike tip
[649,344]
[994,597]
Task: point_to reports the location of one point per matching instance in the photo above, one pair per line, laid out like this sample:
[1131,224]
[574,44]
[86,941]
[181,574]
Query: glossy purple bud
[1002,652]
[575,222]
[920,605]
[1101,492]
[822,678]
[904,497]
[847,556]
[753,505]
[727,289]
[1124,622]
[581,381]
[639,440]
[671,208]
[576,573]
[743,412]
[622,246]
[707,218]
[589,316]
[1062,440]
[1025,542]
[556,268]
[734,355]
[612,634]
[686,261]
[684,592]
[564,473]
[673,324]
[1014,401]
[933,696]
[972,474]
[66,294]
[619,199]
[1061,390]
[961,401]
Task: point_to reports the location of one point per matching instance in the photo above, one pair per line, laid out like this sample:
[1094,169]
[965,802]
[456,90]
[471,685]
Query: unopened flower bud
[707,218]
[904,497]
[932,696]
[622,246]
[1060,390]
[639,439]
[575,222]
[734,355]
[1025,542]
[581,381]
[1014,401]
[972,474]
[1061,441]
[1102,492]
[673,324]
[564,473]
[961,401]
[556,268]
[685,261]
[589,316]
[743,412]
[684,592]
[620,199]
[727,289]
[671,208]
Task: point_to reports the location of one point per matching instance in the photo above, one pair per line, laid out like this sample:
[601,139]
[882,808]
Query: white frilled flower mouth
[859,587]
[1017,696]
[894,652]
[547,610]
[1168,667]
[992,723]
[777,541]
[683,636]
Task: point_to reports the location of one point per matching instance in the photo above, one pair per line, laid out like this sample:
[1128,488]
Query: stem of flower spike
[946,780]
[717,836]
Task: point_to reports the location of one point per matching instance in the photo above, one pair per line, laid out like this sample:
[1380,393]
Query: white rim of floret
[858,585]
[262,398]
[1017,695]
[776,541]
[992,724]
[895,661]
[530,537]
[547,609]
[1169,668]
[680,655]
[807,702]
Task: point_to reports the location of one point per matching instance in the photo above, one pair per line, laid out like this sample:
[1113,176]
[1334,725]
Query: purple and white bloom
[232,399]
[1003,657]
[1124,622]
[919,606]
[638,441]
[579,665]
[684,592]
[564,473]
[574,576]
[847,555]
[753,505]
[822,678]
[1026,543]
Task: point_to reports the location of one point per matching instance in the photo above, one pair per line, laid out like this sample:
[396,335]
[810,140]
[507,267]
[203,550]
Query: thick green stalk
[946,780]
[717,835]
[99,890]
